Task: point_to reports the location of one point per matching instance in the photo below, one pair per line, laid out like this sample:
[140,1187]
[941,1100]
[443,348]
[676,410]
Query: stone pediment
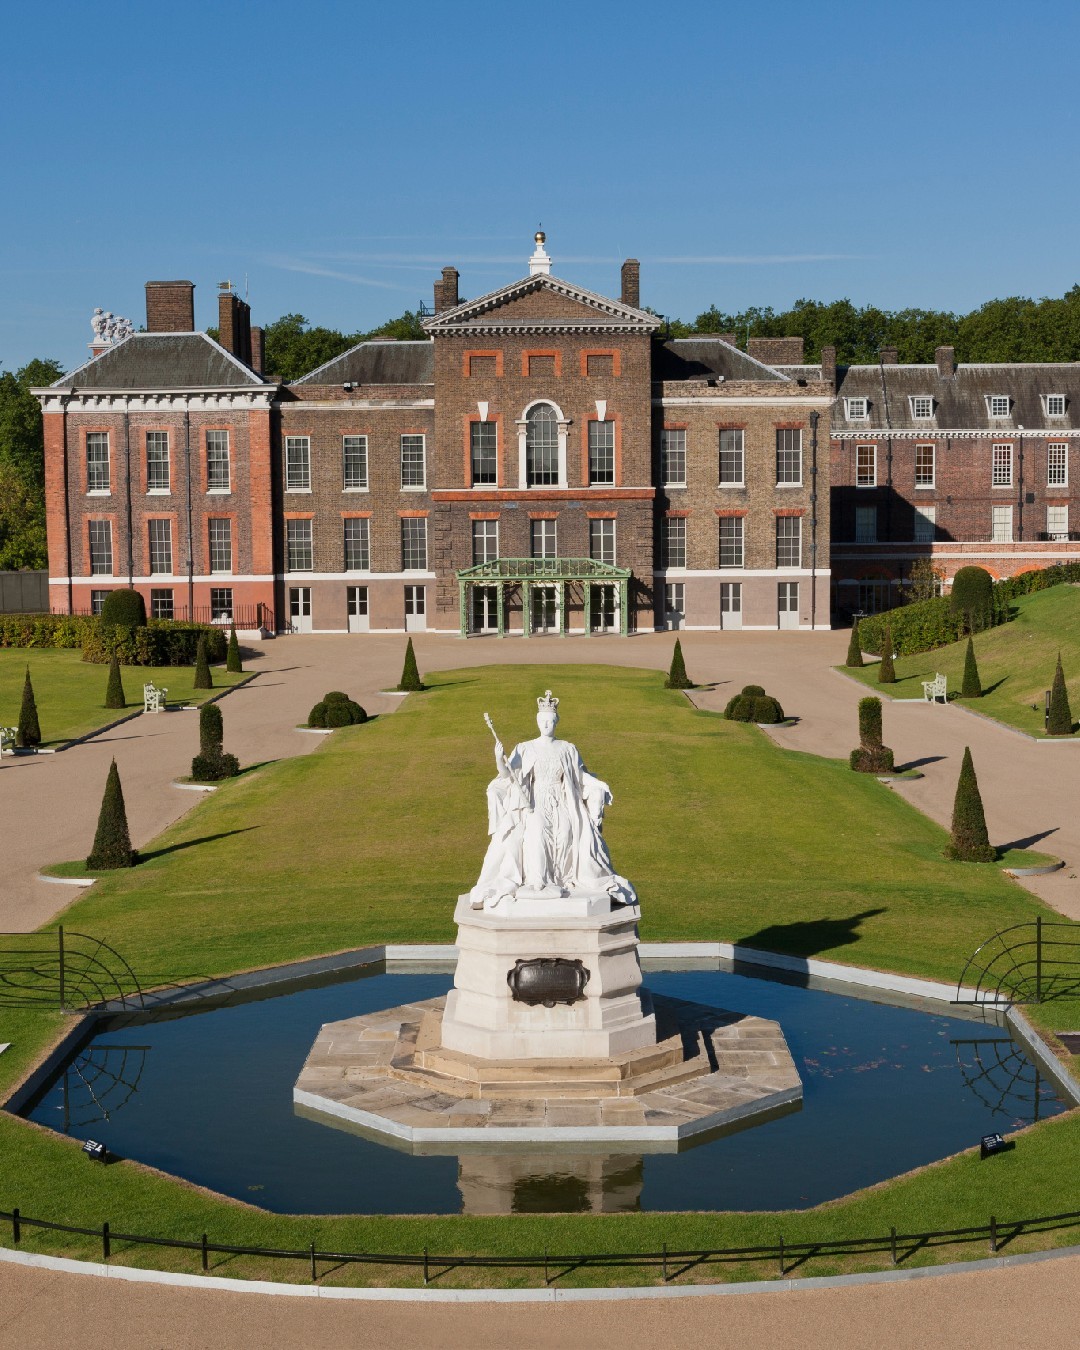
[539,304]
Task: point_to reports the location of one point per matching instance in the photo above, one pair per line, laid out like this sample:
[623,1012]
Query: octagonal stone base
[389,1073]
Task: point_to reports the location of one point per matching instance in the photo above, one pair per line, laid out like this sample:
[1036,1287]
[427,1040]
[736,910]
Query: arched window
[542,446]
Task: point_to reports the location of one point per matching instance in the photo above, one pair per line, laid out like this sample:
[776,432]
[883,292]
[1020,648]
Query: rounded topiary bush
[212,766]
[972,596]
[754,705]
[336,709]
[125,607]
[317,716]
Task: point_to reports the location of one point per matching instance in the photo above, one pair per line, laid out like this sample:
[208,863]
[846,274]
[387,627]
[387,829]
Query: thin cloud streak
[310,269]
[751,259]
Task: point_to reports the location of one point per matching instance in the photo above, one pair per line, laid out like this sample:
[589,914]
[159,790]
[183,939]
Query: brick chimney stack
[446,290]
[730,338]
[234,326]
[170,307]
[888,356]
[257,355]
[828,366]
[631,283]
[945,359]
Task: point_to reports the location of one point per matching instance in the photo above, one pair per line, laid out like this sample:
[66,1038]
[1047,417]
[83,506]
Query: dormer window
[922,406]
[1055,405]
[856,409]
[998,405]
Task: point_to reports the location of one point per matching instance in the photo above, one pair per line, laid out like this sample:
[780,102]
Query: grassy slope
[371,837]
[1016,661]
[70,693]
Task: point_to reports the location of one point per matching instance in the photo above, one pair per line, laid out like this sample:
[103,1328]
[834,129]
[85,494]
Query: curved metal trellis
[1025,963]
[65,970]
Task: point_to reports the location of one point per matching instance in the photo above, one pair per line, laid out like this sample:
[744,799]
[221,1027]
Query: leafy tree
[972,685]
[203,678]
[28,732]
[969,841]
[114,693]
[925,581]
[1060,722]
[112,841]
[677,676]
[886,674]
[410,676]
[854,649]
[22,466]
[233,664]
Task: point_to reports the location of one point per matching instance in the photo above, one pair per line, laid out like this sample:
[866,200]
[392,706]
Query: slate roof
[163,361]
[378,363]
[960,402]
[599,311]
[700,358]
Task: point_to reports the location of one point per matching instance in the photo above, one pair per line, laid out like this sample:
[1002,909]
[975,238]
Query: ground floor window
[545,609]
[731,604]
[415,600]
[97,601]
[1002,525]
[357,600]
[221,606]
[674,604]
[161,604]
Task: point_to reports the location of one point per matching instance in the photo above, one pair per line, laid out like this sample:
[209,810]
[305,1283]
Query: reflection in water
[98,1082]
[1000,1074]
[549,1183]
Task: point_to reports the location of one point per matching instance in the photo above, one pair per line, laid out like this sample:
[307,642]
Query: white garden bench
[7,740]
[934,689]
[154,698]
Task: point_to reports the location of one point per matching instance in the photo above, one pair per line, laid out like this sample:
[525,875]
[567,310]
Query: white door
[605,609]
[787,593]
[485,609]
[731,604]
[300,609]
[415,609]
[357,604]
[674,604]
[545,613]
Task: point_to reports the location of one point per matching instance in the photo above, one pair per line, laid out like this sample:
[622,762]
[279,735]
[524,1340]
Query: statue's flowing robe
[545,821]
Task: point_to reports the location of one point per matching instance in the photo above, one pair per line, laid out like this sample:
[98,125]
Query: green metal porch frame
[529,572]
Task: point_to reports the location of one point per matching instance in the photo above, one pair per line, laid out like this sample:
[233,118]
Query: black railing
[65,970]
[242,616]
[1026,963]
[668,1262]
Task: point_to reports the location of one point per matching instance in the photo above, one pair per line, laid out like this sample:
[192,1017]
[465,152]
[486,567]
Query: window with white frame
[789,455]
[1057,464]
[413,471]
[161,604]
[485,541]
[160,532]
[673,457]
[732,461]
[856,409]
[674,600]
[97,461]
[1057,522]
[414,544]
[924,466]
[157,461]
[97,602]
[1002,525]
[922,406]
[925,524]
[357,544]
[731,541]
[542,446]
[866,524]
[866,466]
[298,463]
[998,405]
[1055,405]
[601,453]
[789,541]
[101,560]
[218,467]
[221,603]
[354,463]
[1003,466]
[220,544]
[602,541]
[298,550]
[673,541]
[484,453]
[543,538]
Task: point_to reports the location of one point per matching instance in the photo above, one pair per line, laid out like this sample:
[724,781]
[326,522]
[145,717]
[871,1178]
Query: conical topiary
[871,756]
[202,667]
[969,841]
[1060,722]
[677,676]
[28,732]
[972,686]
[410,676]
[114,694]
[886,674]
[112,842]
[212,764]
[233,664]
[854,649]
[211,728]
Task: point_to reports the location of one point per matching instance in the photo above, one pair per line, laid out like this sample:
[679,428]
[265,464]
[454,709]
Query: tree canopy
[22,467]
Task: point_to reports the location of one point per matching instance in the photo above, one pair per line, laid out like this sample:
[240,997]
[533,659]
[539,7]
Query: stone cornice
[965,434]
[158,400]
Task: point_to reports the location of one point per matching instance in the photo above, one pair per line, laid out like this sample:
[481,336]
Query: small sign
[992,1143]
[98,1152]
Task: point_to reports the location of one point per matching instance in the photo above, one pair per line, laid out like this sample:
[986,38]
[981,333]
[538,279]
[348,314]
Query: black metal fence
[64,970]
[1025,963]
[668,1262]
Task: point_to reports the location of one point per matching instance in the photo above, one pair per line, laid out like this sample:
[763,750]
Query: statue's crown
[548,701]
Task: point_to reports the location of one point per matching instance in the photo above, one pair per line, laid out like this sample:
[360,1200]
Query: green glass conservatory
[545,590]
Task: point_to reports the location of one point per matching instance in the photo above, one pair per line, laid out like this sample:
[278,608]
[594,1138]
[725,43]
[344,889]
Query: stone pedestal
[613,1015]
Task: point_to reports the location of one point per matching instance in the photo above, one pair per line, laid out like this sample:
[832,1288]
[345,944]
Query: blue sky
[337,155]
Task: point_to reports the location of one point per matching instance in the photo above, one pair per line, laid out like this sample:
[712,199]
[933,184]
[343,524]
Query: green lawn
[1016,661]
[371,838]
[70,692]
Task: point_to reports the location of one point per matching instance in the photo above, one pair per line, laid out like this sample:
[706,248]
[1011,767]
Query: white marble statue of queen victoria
[545,818]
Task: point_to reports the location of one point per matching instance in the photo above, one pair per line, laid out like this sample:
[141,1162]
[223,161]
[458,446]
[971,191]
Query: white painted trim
[739,573]
[361,404]
[100,582]
[725,400]
[929,434]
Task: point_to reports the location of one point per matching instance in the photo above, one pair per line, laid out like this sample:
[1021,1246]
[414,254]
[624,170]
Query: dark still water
[209,1097]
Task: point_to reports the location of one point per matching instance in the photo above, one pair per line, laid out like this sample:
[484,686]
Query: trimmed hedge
[124,606]
[336,710]
[754,705]
[163,642]
[45,630]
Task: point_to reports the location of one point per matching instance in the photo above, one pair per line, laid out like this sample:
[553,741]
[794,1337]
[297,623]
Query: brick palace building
[544,461]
